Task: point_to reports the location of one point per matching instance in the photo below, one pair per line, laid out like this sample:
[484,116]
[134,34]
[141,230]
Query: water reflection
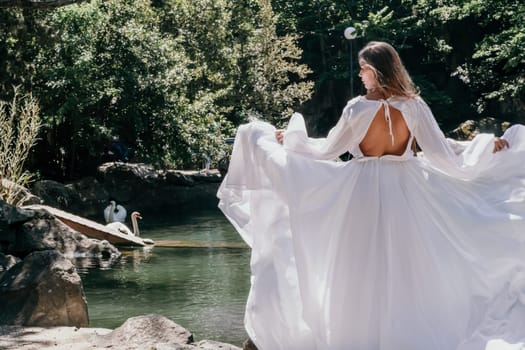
[203,289]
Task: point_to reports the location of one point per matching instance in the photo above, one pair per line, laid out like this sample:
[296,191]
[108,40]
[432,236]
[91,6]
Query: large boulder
[84,197]
[93,196]
[146,332]
[58,195]
[23,231]
[143,188]
[155,332]
[43,290]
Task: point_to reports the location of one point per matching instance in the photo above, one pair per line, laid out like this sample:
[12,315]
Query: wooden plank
[91,228]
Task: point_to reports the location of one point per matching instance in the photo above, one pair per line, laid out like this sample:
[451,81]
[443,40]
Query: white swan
[114,212]
[122,228]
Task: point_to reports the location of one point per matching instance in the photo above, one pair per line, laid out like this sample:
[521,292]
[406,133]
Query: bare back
[378,141]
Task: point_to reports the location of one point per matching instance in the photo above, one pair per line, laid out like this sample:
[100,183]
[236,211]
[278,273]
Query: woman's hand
[500,144]
[279,135]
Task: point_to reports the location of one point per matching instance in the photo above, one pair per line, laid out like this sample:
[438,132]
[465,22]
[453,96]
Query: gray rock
[10,214]
[147,332]
[176,178]
[93,196]
[85,197]
[214,345]
[43,231]
[122,179]
[43,290]
[58,195]
[168,191]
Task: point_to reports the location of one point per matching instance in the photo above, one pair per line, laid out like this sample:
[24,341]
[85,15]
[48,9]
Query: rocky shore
[137,333]
[42,302]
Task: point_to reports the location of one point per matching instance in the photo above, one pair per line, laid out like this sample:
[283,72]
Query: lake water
[202,289]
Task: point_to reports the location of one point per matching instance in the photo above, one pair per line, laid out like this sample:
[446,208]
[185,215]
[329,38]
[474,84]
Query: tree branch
[41,4]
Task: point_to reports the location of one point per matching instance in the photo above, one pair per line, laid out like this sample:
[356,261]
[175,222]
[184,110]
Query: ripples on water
[202,289]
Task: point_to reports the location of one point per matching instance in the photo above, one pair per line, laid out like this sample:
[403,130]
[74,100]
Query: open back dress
[397,252]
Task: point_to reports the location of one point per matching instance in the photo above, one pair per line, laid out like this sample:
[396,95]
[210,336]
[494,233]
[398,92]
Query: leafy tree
[320,25]
[172,77]
[167,78]
[496,70]
[18,47]
[239,55]
[111,71]
[270,90]
[423,31]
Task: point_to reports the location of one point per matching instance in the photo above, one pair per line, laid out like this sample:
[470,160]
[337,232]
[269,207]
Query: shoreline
[86,338]
[57,338]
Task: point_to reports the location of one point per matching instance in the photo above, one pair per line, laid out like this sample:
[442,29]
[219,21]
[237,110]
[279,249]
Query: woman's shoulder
[356,106]
[362,102]
[395,98]
[362,105]
[408,104]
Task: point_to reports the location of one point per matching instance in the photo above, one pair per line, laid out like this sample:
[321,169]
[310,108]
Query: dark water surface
[202,289]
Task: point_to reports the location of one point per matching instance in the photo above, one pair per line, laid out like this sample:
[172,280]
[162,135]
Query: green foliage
[112,71]
[19,125]
[172,78]
[17,49]
[496,70]
[319,25]
[168,78]
[462,54]
[269,91]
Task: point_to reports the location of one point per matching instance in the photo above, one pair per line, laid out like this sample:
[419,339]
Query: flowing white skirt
[377,253]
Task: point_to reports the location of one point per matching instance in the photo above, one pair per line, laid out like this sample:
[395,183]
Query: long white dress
[380,253]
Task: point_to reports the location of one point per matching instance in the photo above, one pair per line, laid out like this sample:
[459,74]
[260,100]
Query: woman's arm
[458,147]
[467,164]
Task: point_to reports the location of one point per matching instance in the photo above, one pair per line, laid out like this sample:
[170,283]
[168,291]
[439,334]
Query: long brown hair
[392,77]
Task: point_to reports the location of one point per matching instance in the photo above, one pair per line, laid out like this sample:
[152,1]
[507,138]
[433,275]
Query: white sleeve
[457,146]
[337,142]
[436,148]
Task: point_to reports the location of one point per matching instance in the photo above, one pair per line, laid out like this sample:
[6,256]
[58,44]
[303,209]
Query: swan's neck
[135,225]
[111,210]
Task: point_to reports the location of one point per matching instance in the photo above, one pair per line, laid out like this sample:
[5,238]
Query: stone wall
[138,187]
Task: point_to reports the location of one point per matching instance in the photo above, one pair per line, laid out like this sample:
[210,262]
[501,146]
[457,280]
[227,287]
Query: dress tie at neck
[388,119]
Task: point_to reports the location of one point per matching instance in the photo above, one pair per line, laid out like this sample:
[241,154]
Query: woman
[388,251]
